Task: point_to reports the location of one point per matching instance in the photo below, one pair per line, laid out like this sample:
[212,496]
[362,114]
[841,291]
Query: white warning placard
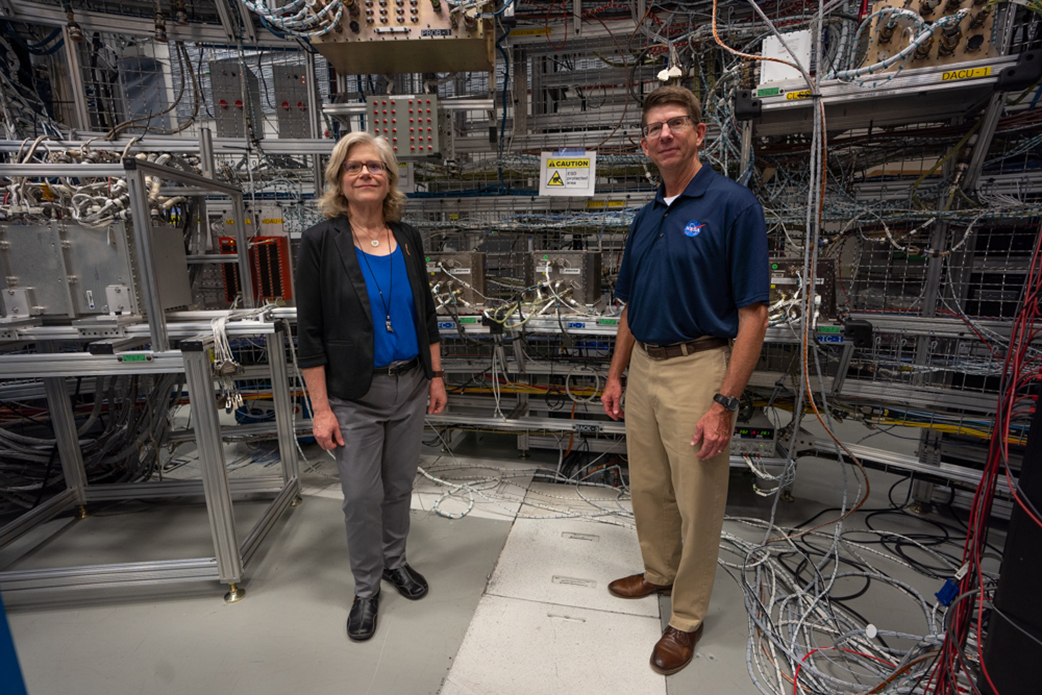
[567,173]
[406,180]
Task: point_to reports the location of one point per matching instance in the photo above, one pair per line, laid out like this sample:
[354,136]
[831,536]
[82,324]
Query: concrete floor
[517,604]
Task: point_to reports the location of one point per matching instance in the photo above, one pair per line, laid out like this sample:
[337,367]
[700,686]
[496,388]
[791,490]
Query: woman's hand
[438,397]
[326,429]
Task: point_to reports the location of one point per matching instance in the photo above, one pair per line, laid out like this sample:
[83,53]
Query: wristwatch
[729,403]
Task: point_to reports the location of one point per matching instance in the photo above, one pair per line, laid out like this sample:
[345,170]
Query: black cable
[46,476]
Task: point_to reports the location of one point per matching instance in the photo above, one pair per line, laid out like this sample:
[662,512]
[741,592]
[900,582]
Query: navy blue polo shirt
[689,266]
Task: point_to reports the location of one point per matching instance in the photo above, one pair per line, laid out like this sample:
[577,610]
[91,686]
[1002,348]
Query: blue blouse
[387,274]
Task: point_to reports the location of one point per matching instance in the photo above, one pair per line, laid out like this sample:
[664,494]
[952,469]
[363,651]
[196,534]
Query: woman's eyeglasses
[374,168]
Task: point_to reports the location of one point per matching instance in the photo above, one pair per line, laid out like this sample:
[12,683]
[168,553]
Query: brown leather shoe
[674,650]
[634,586]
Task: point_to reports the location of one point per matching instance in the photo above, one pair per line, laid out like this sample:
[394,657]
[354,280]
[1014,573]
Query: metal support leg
[147,270]
[283,402]
[68,441]
[206,161]
[79,96]
[215,475]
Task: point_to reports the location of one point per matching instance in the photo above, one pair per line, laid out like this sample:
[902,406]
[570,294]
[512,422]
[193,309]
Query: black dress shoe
[361,621]
[407,581]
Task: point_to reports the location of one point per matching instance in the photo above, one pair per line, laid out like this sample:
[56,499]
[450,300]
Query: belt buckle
[400,368]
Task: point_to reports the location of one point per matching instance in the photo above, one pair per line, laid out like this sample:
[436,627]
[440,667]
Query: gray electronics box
[756,437]
[71,271]
[293,101]
[229,106]
[458,277]
[576,272]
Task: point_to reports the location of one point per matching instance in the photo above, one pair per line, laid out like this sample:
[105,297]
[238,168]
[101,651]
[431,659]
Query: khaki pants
[678,500]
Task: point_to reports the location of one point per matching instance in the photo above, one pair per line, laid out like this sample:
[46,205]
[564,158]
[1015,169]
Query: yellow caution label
[568,164]
[805,94]
[530,32]
[967,74]
[555,180]
[597,204]
[272,221]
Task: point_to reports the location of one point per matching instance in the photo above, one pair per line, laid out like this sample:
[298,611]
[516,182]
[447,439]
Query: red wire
[796,675]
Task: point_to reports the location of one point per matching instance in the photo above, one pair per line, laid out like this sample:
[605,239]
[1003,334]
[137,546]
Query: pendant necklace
[375,243]
[383,300]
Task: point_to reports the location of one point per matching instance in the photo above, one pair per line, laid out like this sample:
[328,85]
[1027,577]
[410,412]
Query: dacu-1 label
[967,74]
[825,338]
[446,324]
[576,324]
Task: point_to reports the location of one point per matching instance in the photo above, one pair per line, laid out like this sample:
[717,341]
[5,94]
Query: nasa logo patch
[693,228]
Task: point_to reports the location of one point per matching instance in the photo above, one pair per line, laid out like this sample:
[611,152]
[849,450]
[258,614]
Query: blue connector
[948,592]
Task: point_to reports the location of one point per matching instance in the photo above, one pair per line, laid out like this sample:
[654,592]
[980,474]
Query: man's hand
[713,432]
[611,398]
[437,395]
[326,429]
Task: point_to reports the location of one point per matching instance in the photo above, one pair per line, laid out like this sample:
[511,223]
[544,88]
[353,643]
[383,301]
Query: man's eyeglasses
[374,168]
[676,125]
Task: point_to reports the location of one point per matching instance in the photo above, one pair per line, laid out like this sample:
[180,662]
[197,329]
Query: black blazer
[334,320]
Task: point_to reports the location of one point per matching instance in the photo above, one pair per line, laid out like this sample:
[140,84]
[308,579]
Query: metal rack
[126,355]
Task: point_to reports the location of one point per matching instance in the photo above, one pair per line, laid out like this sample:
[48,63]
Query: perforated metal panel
[231,106]
[409,122]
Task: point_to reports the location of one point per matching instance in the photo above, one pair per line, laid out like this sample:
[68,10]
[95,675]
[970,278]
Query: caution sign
[567,173]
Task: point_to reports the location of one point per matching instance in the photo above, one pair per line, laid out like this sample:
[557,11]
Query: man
[695,279]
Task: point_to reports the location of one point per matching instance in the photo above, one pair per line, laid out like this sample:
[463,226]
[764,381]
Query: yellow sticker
[530,32]
[555,180]
[805,94]
[593,204]
[272,221]
[967,74]
[568,164]
[48,194]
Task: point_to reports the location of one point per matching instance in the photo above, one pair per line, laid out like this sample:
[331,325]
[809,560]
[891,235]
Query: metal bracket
[18,304]
[118,299]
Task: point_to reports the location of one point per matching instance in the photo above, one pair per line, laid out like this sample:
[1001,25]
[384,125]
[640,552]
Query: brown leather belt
[665,352]
[396,368]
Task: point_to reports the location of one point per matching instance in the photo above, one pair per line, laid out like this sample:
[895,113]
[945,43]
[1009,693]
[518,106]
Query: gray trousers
[377,464]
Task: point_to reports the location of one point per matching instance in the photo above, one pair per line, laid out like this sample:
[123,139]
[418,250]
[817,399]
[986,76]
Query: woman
[369,352]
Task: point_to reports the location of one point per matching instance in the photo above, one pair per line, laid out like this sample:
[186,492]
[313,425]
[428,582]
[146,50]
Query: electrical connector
[948,592]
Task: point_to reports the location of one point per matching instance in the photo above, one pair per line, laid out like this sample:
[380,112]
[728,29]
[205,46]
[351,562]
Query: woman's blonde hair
[333,202]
